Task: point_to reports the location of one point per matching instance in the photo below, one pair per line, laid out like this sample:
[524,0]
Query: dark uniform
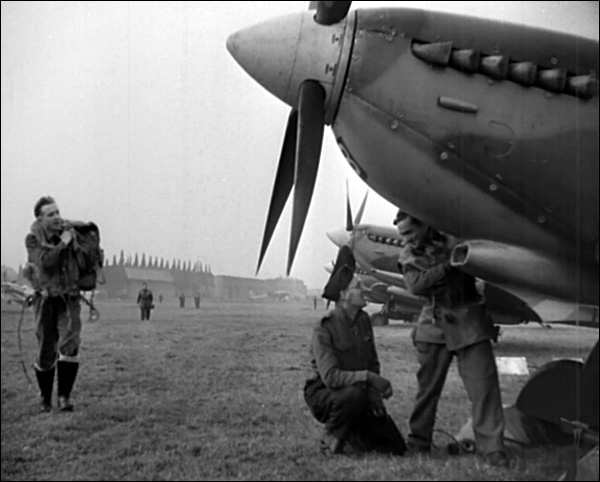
[54,274]
[343,351]
[145,301]
[453,322]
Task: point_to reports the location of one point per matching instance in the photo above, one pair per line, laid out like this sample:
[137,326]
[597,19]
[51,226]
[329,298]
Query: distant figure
[182,300]
[144,301]
[346,391]
[160,298]
[315,302]
[197,299]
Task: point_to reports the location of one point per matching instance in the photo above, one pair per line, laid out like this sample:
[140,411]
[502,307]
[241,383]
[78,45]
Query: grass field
[217,394]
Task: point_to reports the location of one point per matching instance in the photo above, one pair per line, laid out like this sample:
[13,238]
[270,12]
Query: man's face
[50,218]
[410,232]
[354,293]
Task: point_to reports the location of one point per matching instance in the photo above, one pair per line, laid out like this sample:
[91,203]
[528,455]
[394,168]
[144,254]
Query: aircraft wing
[15,293]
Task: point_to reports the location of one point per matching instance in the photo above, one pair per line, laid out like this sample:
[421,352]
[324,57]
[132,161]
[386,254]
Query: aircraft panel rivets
[394,125]
[330,69]
[541,219]
[554,61]
[493,187]
[451,146]
[444,156]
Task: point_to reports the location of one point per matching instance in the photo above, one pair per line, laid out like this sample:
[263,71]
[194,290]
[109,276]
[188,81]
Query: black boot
[66,374]
[45,381]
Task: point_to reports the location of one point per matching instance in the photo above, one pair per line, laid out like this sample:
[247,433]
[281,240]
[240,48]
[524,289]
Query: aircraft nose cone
[339,237]
[267,52]
[283,52]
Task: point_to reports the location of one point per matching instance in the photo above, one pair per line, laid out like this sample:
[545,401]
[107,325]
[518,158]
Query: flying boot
[66,374]
[45,379]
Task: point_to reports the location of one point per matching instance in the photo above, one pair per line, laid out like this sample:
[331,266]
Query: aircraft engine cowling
[517,267]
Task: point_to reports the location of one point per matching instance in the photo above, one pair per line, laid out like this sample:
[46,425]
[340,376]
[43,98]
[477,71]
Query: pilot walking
[453,323]
[53,271]
[346,391]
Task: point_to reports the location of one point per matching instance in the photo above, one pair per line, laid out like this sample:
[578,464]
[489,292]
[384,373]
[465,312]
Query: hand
[382,385]
[375,402]
[66,237]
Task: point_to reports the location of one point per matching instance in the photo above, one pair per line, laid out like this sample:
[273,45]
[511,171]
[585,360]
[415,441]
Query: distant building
[236,288]
[124,280]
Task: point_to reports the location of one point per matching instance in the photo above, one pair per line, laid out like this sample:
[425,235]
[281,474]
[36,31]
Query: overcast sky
[134,115]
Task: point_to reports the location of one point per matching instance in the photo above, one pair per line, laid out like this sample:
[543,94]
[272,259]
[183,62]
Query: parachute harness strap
[94,313]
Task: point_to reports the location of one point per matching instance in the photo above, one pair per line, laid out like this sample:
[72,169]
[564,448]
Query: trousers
[477,369]
[346,415]
[58,329]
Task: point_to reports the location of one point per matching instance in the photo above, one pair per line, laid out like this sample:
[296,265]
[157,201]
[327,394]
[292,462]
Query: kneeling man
[346,392]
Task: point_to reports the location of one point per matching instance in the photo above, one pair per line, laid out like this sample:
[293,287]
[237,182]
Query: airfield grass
[216,394]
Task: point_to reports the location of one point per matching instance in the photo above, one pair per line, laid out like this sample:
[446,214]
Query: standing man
[197,299]
[346,391]
[182,300]
[145,302]
[53,271]
[453,322]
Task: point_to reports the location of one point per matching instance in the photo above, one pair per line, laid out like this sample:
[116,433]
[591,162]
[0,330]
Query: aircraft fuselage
[474,156]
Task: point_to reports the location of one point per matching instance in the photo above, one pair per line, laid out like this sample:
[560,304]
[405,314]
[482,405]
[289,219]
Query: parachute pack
[88,254]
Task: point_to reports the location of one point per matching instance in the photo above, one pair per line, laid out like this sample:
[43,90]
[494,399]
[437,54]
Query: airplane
[257,297]
[483,129]
[529,219]
[376,250]
[278,295]
[15,293]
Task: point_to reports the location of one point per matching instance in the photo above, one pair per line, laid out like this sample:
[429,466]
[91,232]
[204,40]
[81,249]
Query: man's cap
[400,215]
[342,274]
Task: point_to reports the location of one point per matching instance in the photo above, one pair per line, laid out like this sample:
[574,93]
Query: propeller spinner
[301,59]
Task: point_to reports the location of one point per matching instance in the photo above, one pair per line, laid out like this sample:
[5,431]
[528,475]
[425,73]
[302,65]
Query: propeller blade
[349,225]
[284,180]
[311,126]
[329,13]
[361,211]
